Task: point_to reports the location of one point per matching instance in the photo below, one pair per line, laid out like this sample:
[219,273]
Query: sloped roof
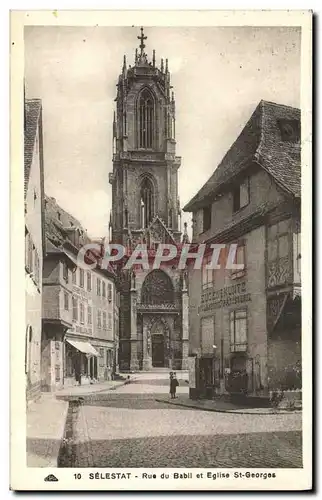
[260,141]
[32,115]
[58,234]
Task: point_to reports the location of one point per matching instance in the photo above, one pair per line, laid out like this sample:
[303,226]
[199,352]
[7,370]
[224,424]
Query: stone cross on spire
[142,38]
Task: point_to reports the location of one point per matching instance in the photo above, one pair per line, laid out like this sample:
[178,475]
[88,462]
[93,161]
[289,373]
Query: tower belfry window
[147,202]
[146,120]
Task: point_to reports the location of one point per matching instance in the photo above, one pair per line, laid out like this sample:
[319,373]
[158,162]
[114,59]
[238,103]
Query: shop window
[81,278]
[66,301]
[238,330]
[103,289]
[99,319]
[206,218]
[75,309]
[104,320]
[89,315]
[89,281]
[241,195]
[240,259]
[81,311]
[98,287]
[109,292]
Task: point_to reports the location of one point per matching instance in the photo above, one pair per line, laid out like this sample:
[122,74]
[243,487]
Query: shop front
[81,365]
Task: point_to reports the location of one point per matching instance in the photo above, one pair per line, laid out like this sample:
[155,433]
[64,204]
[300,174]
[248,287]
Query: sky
[219,75]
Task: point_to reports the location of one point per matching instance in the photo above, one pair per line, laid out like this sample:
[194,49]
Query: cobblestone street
[129,428]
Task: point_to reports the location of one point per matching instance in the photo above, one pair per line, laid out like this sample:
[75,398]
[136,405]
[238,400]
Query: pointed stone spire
[136,56]
[166,66]
[161,65]
[185,237]
[153,58]
[124,64]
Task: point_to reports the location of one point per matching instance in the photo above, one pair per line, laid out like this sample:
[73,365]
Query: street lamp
[214,347]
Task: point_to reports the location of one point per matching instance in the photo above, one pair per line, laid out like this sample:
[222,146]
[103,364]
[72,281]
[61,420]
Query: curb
[235,412]
[82,394]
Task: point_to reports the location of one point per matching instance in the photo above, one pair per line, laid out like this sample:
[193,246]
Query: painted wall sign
[224,297]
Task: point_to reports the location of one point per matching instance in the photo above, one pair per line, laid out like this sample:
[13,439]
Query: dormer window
[241,195]
[290,130]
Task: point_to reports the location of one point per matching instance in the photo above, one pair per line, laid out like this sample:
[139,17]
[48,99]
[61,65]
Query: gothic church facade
[146,210]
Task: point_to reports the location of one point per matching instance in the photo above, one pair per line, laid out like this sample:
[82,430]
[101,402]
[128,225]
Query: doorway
[158,350]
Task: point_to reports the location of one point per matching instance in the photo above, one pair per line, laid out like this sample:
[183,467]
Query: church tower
[146,209]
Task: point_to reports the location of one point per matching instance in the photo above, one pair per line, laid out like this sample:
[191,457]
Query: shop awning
[84,347]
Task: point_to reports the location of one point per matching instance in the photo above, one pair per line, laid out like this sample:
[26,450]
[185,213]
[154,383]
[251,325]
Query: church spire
[185,237]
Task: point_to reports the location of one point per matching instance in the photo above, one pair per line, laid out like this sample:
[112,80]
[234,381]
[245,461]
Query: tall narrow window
[146,120]
[147,202]
[75,309]
[238,330]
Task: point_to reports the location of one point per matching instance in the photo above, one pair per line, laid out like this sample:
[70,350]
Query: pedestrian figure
[173,385]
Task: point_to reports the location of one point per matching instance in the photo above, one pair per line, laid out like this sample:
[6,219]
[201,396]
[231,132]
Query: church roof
[261,142]
[32,117]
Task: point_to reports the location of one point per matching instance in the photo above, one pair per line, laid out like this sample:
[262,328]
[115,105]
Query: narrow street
[127,427]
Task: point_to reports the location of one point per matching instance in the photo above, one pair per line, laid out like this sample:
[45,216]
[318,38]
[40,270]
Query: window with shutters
[109,292]
[66,301]
[207,334]
[98,287]
[99,319]
[103,289]
[75,309]
[65,271]
[208,275]
[104,320]
[241,195]
[81,310]
[238,330]
[240,259]
[89,281]
[81,278]
[110,321]
[89,315]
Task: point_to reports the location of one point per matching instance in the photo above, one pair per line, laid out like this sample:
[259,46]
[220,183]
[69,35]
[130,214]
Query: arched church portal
[159,333]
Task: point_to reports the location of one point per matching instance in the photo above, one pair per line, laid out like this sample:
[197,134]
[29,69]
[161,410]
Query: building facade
[146,210]
[245,323]
[79,344]
[34,196]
